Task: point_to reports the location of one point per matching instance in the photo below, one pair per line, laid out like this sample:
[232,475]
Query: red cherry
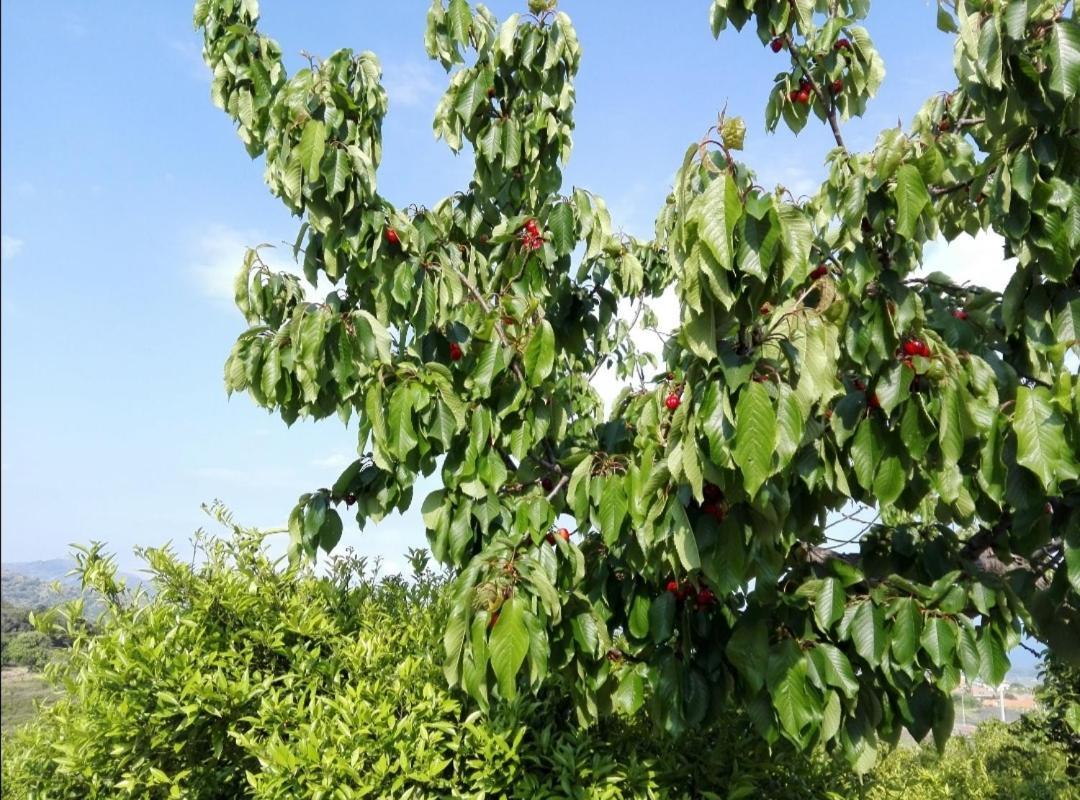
[944,125]
[455,351]
[837,86]
[712,492]
[546,484]
[564,534]
[392,237]
[672,402]
[911,347]
[819,273]
[491,92]
[842,44]
[860,385]
[705,598]
[873,401]
[550,538]
[765,309]
[802,96]
[960,314]
[924,349]
[793,96]
[672,587]
[777,44]
[494,619]
[714,510]
[530,226]
[350,499]
[686,591]
[759,378]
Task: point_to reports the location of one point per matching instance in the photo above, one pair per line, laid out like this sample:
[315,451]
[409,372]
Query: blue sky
[127,201]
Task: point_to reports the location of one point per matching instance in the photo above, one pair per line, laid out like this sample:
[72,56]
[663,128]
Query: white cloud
[9,247]
[413,83]
[219,254]
[978,260]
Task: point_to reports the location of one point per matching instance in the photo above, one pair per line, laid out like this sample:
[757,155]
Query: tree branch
[499,329]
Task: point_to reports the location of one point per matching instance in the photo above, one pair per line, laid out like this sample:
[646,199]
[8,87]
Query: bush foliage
[243,678]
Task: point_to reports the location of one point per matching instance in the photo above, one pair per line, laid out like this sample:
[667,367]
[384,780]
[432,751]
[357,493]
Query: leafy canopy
[812,371]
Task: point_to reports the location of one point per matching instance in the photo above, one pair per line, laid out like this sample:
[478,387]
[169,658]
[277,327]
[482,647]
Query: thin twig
[488,310]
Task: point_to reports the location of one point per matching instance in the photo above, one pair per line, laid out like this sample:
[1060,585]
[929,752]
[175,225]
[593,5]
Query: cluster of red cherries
[531,238]
[702,598]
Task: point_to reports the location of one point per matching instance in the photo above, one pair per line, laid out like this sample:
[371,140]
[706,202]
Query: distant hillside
[29,584]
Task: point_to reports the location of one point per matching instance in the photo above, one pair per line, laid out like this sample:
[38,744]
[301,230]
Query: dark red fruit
[686,590]
[672,402]
[842,44]
[960,314]
[350,499]
[491,92]
[392,237]
[924,349]
[911,347]
[860,385]
[547,484]
[802,96]
[563,534]
[837,86]
[494,619]
[819,273]
[530,226]
[705,598]
[714,510]
[793,96]
[455,351]
[873,401]
[712,492]
[777,44]
[944,126]
[765,309]
[673,587]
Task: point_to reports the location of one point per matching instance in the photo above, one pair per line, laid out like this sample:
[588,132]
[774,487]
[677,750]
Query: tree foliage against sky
[811,370]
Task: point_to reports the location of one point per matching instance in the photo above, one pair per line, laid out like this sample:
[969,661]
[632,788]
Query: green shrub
[32,649]
[999,762]
[239,678]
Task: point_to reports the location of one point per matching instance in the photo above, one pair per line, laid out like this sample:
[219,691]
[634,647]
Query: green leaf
[755,436]
[613,508]
[951,425]
[716,210]
[330,532]
[685,541]
[560,223]
[630,694]
[1065,58]
[312,146]
[906,629]
[911,198]
[508,646]
[866,450]
[540,354]
[835,668]
[993,662]
[402,433]
[939,640]
[1041,443]
[459,19]
[662,617]
[748,651]
[791,700]
[867,633]
[829,603]
[338,173]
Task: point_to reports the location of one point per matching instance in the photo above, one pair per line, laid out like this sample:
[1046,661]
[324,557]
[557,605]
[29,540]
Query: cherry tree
[812,371]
